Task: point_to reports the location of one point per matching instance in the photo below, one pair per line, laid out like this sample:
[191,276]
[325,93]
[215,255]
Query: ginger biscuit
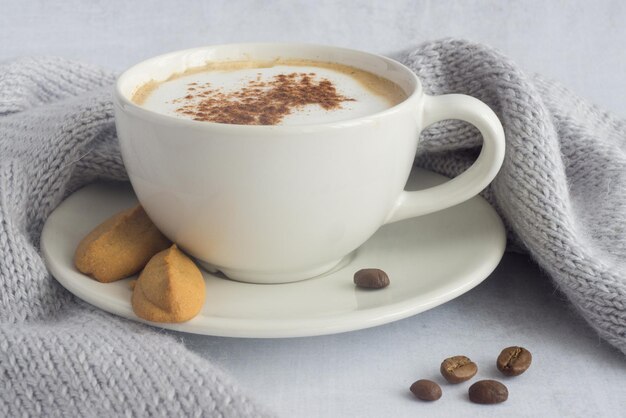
[169,289]
[120,246]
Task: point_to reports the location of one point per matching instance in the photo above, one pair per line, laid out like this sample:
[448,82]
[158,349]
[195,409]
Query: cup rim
[127,105]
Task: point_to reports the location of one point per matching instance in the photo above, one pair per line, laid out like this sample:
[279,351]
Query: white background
[367,373]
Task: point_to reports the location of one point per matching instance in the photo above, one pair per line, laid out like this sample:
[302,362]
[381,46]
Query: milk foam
[166,97]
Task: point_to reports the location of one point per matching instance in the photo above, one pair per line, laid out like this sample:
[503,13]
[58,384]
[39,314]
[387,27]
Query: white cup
[274,204]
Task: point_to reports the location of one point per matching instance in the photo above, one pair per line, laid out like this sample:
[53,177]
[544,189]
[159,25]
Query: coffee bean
[514,361]
[426,390]
[371,278]
[488,392]
[458,369]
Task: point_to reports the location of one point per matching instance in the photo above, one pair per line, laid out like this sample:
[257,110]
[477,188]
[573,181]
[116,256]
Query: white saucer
[429,260]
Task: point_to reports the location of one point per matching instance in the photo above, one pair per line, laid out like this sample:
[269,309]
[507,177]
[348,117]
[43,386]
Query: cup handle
[476,177]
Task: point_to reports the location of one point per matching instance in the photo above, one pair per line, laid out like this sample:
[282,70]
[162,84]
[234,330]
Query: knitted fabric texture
[562,188]
[561,192]
[59,356]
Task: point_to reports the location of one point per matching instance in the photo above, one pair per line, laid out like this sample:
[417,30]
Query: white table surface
[367,373]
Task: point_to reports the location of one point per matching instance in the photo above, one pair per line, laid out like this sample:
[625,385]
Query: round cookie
[120,246]
[169,289]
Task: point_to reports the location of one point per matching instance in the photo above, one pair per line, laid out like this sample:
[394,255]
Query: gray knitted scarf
[561,192]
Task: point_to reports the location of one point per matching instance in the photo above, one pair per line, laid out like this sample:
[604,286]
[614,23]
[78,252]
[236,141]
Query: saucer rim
[78,284]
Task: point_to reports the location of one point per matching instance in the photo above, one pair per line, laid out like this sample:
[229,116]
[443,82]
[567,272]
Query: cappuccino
[280,92]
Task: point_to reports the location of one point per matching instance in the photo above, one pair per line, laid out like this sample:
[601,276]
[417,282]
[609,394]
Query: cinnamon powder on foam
[259,102]
[268,102]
